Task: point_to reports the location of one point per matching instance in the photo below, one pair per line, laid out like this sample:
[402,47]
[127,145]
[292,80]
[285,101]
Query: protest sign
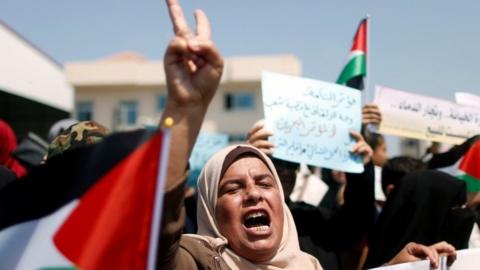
[467,99]
[420,265]
[467,259]
[421,117]
[311,119]
[206,145]
[309,188]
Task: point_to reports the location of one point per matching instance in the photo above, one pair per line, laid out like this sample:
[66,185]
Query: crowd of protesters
[245,217]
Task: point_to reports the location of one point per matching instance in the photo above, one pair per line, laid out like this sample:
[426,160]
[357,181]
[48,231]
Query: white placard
[467,259]
[421,117]
[420,265]
[467,99]
[311,121]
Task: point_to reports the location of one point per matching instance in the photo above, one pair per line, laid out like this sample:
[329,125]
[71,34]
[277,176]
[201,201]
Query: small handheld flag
[355,69]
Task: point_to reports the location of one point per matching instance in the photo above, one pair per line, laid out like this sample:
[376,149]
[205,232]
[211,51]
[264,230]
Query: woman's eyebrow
[262,176]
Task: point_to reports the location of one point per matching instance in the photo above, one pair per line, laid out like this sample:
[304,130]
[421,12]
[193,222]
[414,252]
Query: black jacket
[425,207]
[324,232]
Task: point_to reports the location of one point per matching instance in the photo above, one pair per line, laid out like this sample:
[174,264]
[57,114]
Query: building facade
[127,91]
[34,93]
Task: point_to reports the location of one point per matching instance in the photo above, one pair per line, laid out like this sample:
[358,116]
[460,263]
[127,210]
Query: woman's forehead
[239,152]
[248,163]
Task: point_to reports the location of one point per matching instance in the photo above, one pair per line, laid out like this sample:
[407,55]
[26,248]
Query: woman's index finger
[180,25]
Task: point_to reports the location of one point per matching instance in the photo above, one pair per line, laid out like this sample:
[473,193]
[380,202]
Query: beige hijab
[289,255]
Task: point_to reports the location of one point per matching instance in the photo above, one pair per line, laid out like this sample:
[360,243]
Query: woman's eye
[265,184]
[231,188]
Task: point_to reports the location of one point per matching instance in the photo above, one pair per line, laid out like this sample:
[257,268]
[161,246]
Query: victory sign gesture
[193,68]
[193,65]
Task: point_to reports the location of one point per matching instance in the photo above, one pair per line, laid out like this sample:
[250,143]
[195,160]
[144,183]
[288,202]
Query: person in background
[8,143]
[379,146]
[6,176]
[58,127]
[426,207]
[436,160]
[78,135]
[396,168]
[31,151]
[371,115]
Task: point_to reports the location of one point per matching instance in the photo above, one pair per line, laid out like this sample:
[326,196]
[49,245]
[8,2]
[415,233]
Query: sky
[428,47]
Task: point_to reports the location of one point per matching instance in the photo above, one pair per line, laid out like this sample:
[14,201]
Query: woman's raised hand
[193,65]
[193,68]
[361,147]
[371,114]
[258,137]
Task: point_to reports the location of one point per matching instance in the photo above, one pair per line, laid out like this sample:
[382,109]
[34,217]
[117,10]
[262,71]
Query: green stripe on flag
[473,184]
[355,67]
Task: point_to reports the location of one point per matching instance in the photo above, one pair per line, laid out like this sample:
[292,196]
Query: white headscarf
[288,256]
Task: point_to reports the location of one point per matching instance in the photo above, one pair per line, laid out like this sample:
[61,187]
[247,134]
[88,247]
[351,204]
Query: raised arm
[193,68]
[450,157]
[371,114]
[258,136]
[333,230]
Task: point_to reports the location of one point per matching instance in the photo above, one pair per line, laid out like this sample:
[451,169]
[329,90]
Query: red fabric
[360,40]
[8,143]
[110,227]
[471,161]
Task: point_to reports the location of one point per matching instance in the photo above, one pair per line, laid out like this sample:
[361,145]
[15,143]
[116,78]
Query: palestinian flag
[95,207]
[470,166]
[356,67]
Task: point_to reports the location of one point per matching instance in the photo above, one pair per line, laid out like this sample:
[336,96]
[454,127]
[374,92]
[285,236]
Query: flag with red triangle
[470,166]
[95,207]
[355,69]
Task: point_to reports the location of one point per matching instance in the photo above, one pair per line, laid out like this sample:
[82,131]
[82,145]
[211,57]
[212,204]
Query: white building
[34,92]
[126,91]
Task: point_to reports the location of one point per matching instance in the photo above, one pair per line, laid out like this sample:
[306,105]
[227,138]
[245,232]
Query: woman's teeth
[261,228]
[255,214]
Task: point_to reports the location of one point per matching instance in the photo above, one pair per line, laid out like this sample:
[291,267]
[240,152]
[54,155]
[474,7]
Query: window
[161,102]
[128,113]
[239,101]
[84,110]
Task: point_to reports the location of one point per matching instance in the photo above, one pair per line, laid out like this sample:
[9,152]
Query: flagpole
[367,81]
[159,194]
[369,93]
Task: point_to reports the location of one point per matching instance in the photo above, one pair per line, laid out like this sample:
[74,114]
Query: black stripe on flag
[64,178]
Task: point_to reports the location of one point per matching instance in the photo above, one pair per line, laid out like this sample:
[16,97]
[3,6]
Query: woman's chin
[260,250]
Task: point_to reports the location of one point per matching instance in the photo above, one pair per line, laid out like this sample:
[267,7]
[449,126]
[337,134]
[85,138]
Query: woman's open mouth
[257,222]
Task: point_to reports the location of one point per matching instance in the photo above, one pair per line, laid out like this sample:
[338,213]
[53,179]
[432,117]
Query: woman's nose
[253,193]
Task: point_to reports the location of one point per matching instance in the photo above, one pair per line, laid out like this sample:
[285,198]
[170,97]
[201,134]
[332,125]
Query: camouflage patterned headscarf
[80,134]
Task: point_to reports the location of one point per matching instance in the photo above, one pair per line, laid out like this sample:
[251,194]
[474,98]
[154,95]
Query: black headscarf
[425,207]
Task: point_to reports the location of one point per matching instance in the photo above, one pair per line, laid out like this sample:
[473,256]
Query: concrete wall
[107,82]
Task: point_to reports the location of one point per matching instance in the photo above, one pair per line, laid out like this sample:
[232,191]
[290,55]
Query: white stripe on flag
[353,54]
[30,245]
